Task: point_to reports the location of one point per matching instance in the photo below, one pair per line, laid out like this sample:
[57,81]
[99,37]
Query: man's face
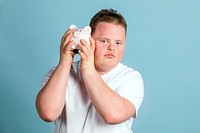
[110,42]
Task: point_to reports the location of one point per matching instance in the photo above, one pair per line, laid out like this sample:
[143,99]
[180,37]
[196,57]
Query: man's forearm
[51,99]
[110,105]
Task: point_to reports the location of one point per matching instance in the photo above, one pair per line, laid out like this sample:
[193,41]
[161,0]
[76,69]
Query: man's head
[109,34]
[107,15]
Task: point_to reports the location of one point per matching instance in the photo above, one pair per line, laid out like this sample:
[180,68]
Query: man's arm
[51,98]
[110,105]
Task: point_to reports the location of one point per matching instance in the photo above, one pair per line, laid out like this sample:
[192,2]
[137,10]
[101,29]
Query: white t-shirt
[80,116]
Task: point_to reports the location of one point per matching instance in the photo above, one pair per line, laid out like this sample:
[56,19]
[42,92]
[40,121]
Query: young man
[97,94]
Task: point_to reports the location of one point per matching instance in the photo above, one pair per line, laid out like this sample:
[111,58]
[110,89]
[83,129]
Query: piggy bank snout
[77,34]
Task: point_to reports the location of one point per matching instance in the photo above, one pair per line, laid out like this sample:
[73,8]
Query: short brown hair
[107,15]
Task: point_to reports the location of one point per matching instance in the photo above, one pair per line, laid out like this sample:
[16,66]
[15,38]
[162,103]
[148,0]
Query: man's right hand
[66,55]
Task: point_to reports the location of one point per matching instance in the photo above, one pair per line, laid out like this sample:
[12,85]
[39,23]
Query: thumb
[92,43]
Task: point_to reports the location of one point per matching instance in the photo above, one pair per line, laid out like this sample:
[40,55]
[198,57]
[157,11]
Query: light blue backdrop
[163,43]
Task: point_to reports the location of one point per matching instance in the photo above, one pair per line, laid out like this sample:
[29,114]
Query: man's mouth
[110,56]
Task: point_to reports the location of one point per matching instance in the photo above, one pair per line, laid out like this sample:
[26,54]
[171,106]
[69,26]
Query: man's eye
[118,43]
[103,41]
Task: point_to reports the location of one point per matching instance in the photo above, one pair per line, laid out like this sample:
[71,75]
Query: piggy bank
[78,34]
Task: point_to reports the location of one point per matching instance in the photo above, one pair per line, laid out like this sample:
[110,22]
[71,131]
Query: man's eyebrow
[120,41]
[110,39]
[103,38]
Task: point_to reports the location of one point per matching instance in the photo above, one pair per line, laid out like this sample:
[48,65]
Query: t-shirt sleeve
[47,76]
[131,87]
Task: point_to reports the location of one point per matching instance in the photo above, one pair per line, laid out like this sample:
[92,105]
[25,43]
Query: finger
[83,49]
[92,43]
[91,46]
[66,38]
[67,41]
[68,46]
[82,54]
[84,45]
[66,33]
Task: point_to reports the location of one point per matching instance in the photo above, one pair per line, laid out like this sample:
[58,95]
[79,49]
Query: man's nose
[111,46]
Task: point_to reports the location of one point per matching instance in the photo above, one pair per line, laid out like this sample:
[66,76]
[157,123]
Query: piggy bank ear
[72,26]
[87,28]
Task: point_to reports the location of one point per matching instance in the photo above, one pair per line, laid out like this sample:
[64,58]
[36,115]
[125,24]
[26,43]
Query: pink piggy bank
[78,34]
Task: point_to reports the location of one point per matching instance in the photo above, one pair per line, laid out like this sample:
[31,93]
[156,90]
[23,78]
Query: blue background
[163,43]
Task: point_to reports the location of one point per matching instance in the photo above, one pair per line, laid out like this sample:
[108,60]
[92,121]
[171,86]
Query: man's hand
[86,53]
[66,55]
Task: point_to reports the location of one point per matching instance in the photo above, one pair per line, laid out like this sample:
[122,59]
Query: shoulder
[123,75]
[124,72]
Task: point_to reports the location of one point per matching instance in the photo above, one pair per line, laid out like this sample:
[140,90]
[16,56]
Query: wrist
[89,73]
[64,65]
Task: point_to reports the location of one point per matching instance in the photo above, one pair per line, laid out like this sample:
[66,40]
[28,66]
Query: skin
[105,51]
[110,45]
